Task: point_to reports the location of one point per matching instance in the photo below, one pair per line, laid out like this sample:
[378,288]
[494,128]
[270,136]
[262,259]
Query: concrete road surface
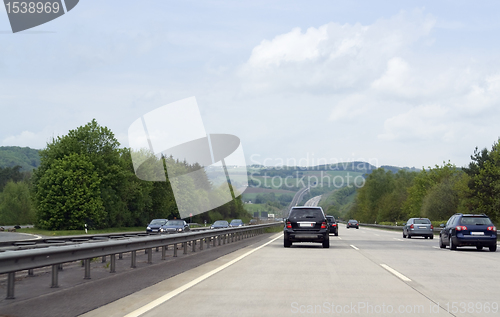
[365,272]
[14,236]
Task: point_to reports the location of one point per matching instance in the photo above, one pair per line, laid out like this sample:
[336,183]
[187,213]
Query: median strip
[393,271]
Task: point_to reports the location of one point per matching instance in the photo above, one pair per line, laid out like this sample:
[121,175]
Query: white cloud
[382,82]
[333,57]
[25,138]
[426,122]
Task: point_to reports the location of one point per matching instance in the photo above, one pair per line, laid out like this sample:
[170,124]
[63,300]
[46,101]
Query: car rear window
[422,221]
[475,221]
[306,214]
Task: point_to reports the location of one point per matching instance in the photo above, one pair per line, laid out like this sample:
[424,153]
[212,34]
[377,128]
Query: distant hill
[395,169]
[353,166]
[26,157]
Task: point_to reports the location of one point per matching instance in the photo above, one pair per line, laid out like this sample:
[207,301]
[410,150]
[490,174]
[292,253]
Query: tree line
[85,177]
[435,193]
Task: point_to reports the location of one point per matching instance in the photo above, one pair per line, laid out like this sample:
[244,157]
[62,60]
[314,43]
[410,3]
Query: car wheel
[357,227]
[326,243]
[452,246]
[431,236]
[409,237]
[287,243]
[441,244]
[336,233]
[493,248]
[427,237]
[404,235]
[479,247]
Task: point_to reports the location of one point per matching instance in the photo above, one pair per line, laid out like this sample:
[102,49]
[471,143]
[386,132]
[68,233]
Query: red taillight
[334,224]
[412,226]
[288,225]
[460,228]
[432,227]
[491,228]
[323,225]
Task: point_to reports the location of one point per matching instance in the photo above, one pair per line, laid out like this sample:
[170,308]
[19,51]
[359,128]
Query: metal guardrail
[59,240]
[13,261]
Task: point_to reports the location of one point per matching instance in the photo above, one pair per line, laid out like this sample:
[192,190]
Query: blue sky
[411,83]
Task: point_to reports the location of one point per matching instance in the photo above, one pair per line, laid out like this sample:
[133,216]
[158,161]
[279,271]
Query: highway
[313,201]
[365,272]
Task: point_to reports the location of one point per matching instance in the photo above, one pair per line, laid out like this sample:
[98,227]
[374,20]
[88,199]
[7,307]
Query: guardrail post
[55,272]
[223,239]
[214,240]
[218,239]
[11,279]
[86,263]
[194,245]
[207,240]
[157,249]
[150,255]
[175,250]
[31,272]
[201,243]
[113,263]
[103,259]
[133,259]
[120,256]
[164,252]
[185,245]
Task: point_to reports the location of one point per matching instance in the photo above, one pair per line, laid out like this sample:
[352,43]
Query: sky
[404,83]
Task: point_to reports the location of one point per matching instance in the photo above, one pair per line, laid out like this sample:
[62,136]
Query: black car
[468,230]
[306,224]
[332,224]
[156,225]
[176,226]
[352,224]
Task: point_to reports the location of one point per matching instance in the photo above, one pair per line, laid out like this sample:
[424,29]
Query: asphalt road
[366,272]
[313,201]
[14,236]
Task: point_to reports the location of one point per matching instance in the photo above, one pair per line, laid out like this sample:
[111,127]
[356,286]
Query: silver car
[418,227]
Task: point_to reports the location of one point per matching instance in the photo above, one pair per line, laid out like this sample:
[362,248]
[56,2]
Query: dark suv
[332,224]
[306,224]
[468,230]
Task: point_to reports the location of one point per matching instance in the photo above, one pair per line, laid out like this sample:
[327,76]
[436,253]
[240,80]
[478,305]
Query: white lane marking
[393,271]
[436,247]
[185,287]
[398,239]
[31,235]
[354,247]
[340,238]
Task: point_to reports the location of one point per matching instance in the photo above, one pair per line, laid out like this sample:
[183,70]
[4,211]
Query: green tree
[423,183]
[100,147]
[484,182]
[68,194]
[15,204]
